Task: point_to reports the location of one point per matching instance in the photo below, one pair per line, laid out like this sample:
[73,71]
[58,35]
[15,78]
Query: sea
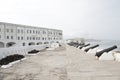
[103,44]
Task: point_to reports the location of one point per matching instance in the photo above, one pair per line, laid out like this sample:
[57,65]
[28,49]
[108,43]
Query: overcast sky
[98,19]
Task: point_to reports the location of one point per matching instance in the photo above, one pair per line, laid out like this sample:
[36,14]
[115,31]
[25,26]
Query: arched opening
[39,43]
[10,44]
[1,45]
[31,43]
[46,42]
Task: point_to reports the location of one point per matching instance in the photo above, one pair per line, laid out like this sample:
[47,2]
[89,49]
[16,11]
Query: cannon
[79,45]
[98,54]
[84,46]
[10,58]
[92,47]
[71,43]
[76,44]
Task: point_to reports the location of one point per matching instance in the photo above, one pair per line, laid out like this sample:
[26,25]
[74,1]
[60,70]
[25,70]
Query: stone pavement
[68,64]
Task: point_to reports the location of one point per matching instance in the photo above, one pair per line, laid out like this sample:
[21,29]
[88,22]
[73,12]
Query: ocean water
[103,44]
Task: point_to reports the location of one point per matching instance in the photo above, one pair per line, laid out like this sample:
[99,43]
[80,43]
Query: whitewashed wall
[18,50]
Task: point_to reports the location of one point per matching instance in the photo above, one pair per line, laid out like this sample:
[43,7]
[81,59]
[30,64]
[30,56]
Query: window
[48,38]
[44,32]
[22,38]
[39,38]
[33,38]
[46,42]
[7,37]
[27,38]
[0,30]
[11,37]
[18,38]
[42,38]
[60,33]
[23,44]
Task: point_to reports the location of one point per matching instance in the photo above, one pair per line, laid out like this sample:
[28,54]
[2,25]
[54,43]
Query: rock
[116,56]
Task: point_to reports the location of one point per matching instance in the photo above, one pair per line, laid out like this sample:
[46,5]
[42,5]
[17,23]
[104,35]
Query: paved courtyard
[62,64]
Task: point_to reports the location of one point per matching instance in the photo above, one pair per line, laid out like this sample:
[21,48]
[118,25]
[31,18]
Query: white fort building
[20,39]
[15,35]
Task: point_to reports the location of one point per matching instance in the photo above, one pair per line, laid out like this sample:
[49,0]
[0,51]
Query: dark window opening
[32,43]
[42,38]
[27,38]
[23,44]
[21,38]
[60,33]
[33,38]
[46,42]
[18,38]
[11,37]
[7,37]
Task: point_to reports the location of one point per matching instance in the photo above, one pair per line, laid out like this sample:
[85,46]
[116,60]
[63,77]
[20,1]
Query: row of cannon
[87,47]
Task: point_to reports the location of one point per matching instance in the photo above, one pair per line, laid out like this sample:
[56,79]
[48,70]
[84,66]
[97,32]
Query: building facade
[22,35]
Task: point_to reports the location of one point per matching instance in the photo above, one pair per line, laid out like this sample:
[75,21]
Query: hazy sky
[98,19]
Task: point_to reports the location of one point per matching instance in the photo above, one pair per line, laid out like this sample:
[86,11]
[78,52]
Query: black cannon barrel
[92,47]
[71,43]
[75,44]
[98,54]
[79,45]
[84,46]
